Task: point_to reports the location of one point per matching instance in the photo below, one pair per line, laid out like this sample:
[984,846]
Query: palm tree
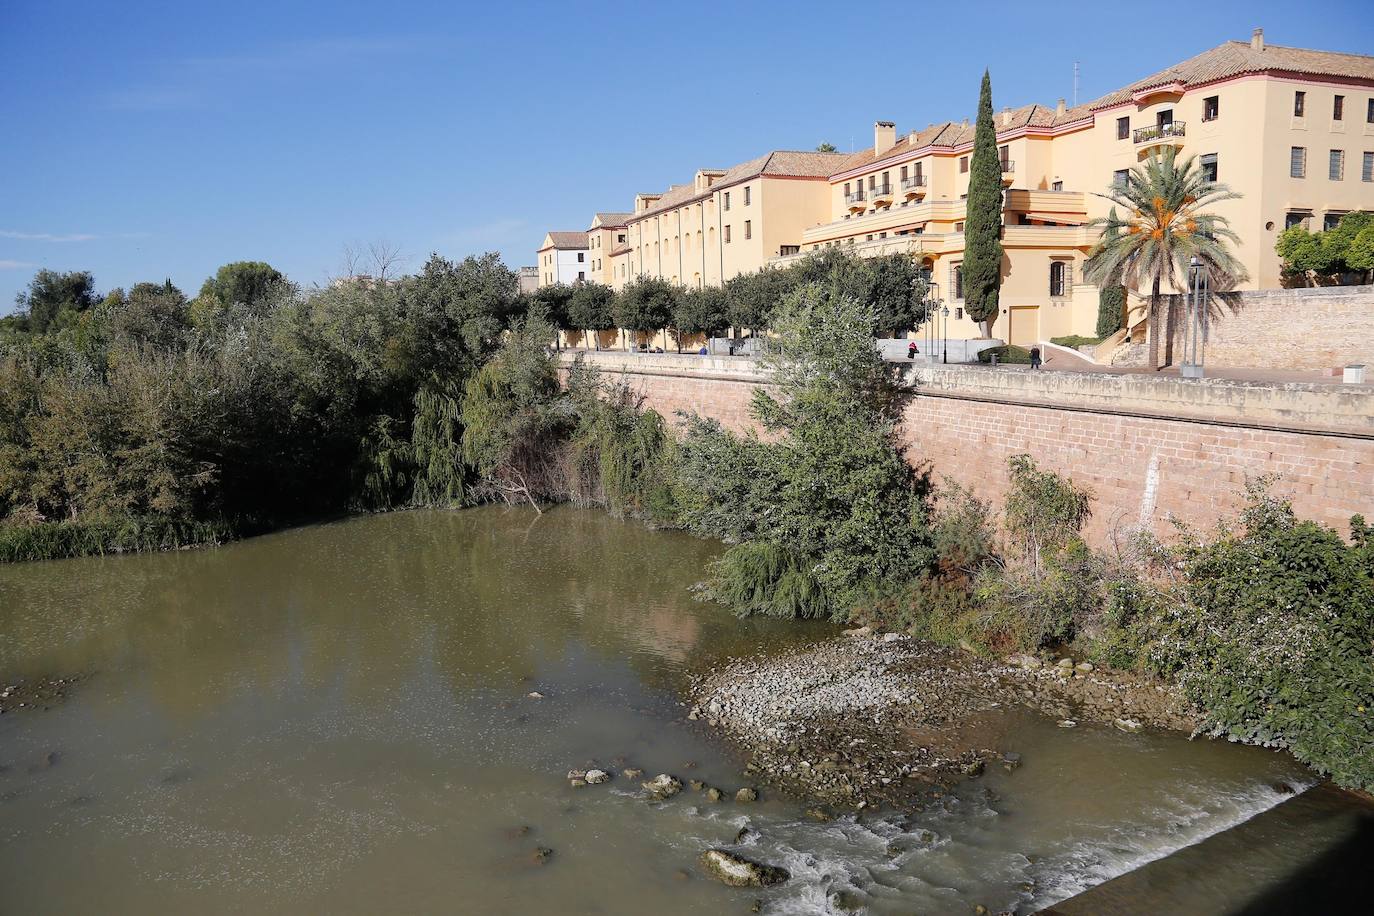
[1166,226]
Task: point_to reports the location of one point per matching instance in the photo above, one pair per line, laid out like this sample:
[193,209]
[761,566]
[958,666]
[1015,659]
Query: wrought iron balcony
[855,199]
[915,183]
[1172,130]
[880,192]
[1008,165]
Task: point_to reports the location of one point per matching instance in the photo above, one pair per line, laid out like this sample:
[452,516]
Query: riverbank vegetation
[146,420]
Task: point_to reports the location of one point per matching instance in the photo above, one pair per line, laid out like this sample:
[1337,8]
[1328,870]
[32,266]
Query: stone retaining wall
[1146,459]
[1309,328]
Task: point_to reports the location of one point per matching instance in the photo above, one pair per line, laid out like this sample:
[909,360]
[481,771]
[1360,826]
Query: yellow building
[726,221]
[606,234]
[1292,130]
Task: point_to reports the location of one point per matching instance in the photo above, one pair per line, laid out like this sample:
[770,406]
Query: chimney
[966,122]
[1257,40]
[1006,116]
[884,136]
[1059,109]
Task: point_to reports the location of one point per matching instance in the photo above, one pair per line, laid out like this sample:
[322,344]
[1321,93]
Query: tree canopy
[982,265]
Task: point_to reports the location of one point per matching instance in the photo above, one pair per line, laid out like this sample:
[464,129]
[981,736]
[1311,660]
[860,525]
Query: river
[337,718]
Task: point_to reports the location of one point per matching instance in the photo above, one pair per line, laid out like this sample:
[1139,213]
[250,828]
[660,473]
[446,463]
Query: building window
[1337,170]
[1123,128]
[749,228]
[581,275]
[727,201]
[580,257]
[956,280]
[1369,112]
[1331,221]
[1294,219]
[1120,176]
[958,227]
[1297,162]
[1211,107]
[959,314]
[963,164]
[747,195]
[791,249]
[1209,166]
[1299,104]
[1057,186]
[1338,108]
[727,234]
[620,238]
[1059,273]
[1367,168]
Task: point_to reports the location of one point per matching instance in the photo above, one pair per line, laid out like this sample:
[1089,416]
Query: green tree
[646,304]
[239,283]
[701,311]
[1302,252]
[752,297]
[53,299]
[844,515]
[1360,256]
[551,304]
[592,309]
[982,264]
[1166,226]
[153,314]
[1111,304]
[825,148]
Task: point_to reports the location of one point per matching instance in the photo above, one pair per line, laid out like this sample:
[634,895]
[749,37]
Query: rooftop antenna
[1075,84]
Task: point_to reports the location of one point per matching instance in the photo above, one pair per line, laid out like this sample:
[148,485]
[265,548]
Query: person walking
[1035,357]
[911,350]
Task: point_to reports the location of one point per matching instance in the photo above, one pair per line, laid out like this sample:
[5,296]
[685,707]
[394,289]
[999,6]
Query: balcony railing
[1008,165]
[882,190]
[1160,132]
[857,197]
[913,183]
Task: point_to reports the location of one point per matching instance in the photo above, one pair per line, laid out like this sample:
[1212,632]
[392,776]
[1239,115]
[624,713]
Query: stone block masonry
[1145,468]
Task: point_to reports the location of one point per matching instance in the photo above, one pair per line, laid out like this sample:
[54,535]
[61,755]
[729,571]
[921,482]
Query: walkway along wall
[1148,458]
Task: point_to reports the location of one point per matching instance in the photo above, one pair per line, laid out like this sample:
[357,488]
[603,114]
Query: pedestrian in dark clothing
[1035,357]
[911,350]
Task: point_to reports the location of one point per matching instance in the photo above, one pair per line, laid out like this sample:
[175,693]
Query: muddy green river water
[335,719]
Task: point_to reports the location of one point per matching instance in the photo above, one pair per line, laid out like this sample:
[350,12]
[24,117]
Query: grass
[60,540]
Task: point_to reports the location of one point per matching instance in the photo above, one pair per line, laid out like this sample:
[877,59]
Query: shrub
[1271,634]
[1006,354]
[60,540]
[1111,306]
[1074,341]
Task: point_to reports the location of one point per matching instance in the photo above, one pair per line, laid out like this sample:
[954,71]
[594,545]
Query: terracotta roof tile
[565,240]
[610,220]
[790,163]
[1236,58]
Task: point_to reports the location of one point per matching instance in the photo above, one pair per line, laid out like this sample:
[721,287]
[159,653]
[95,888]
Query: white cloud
[46,236]
[7,264]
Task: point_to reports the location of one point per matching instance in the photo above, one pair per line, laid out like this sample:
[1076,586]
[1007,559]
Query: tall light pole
[1195,332]
[932,315]
[944,336]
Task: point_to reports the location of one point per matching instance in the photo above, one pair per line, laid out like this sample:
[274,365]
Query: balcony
[915,186]
[881,194]
[855,201]
[1170,134]
[1008,169]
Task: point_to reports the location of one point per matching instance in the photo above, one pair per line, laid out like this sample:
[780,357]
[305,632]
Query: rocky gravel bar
[864,720]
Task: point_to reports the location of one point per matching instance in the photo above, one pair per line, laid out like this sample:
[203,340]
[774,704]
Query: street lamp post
[1195,332]
[944,336]
[932,315]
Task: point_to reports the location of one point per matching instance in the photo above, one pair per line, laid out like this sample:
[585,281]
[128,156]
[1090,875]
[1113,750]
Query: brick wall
[1320,328]
[1143,471]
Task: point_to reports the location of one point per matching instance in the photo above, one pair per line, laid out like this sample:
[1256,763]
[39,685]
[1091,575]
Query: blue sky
[147,140]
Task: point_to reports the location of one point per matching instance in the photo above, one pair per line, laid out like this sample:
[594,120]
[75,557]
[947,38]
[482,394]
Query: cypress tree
[982,266]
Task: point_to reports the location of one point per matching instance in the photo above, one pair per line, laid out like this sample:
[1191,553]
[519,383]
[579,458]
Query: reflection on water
[336,719]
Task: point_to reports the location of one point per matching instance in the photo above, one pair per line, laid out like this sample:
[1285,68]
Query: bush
[1271,633]
[1074,341]
[1111,308]
[1006,354]
[61,540]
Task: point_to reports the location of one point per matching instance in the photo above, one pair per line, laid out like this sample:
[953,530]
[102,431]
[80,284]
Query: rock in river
[737,871]
[662,786]
[747,795]
[597,777]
